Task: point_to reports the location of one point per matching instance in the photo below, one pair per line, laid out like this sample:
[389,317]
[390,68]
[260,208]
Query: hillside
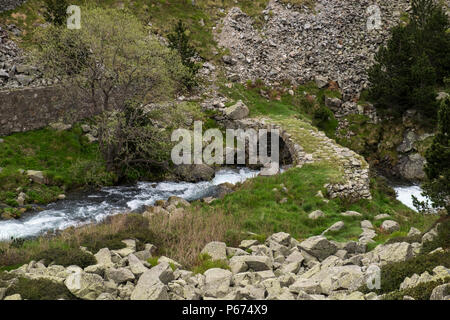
[319,229]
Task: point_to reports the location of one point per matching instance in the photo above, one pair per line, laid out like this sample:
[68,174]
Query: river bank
[82,208]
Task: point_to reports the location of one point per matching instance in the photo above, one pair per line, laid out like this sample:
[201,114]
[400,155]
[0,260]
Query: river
[78,209]
[405,193]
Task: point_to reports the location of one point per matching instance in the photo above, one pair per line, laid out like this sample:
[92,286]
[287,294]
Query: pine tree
[56,11]
[437,169]
[414,60]
[179,40]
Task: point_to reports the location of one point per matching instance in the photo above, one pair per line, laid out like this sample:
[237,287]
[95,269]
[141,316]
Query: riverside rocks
[281,268]
[194,172]
[318,247]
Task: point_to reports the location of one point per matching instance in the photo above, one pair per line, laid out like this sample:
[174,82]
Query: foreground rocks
[280,269]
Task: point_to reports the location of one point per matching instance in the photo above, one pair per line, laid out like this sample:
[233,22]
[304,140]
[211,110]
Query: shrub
[134,226]
[393,274]
[205,262]
[41,289]
[66,257]
[96,242]
[441,241]
[122,69]
[437,168]
[55,11]
[421,292]
[179,40]
[411,64]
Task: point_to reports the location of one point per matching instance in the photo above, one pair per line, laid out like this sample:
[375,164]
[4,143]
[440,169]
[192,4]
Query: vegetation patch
[66,257]
[59,155]
[393,274]
[205,262]
[421,292]
[41,289]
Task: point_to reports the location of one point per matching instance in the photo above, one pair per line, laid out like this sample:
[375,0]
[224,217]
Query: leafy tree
[437,169]
[413,62]
[179,40]
[56,11]
[113,67]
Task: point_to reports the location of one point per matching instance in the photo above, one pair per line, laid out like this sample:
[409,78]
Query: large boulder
[335,227]
[217,282]
[216,250]
[86,286]
[348,278]
[237,112]
[103,257]
[333,103]
[194,172]
[411,167]
[36,176]
[316,214]
[390,226]
[321,81]
[255,263]
[441,292]
[281,238]
[319,247]
[120,275]
[387,253]
[136,266]
[152,285]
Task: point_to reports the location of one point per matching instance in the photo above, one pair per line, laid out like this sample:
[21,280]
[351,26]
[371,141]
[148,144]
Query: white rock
[316,215]
[319,247]
[217,282]
[216,250]
[390,226]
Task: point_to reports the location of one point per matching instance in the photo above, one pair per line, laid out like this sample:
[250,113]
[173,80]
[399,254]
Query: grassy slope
[66,158]
[256,207]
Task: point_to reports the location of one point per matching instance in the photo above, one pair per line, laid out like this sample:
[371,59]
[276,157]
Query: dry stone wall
[34,108]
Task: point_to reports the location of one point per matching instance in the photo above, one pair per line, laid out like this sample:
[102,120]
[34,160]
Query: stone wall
[356,182]
[33,108]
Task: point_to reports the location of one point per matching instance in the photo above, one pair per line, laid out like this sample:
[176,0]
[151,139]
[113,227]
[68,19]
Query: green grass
[153,261]
[161,14]
[66,158]
[393,274]
[265,101]
[257,209]
[42,289]
[205,263]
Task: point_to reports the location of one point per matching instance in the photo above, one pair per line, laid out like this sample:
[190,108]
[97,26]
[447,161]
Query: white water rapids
[97,206]
[405,193]
[112,200]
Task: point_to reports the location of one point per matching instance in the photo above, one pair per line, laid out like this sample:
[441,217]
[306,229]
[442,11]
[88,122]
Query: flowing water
[95,207]
[405,193]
